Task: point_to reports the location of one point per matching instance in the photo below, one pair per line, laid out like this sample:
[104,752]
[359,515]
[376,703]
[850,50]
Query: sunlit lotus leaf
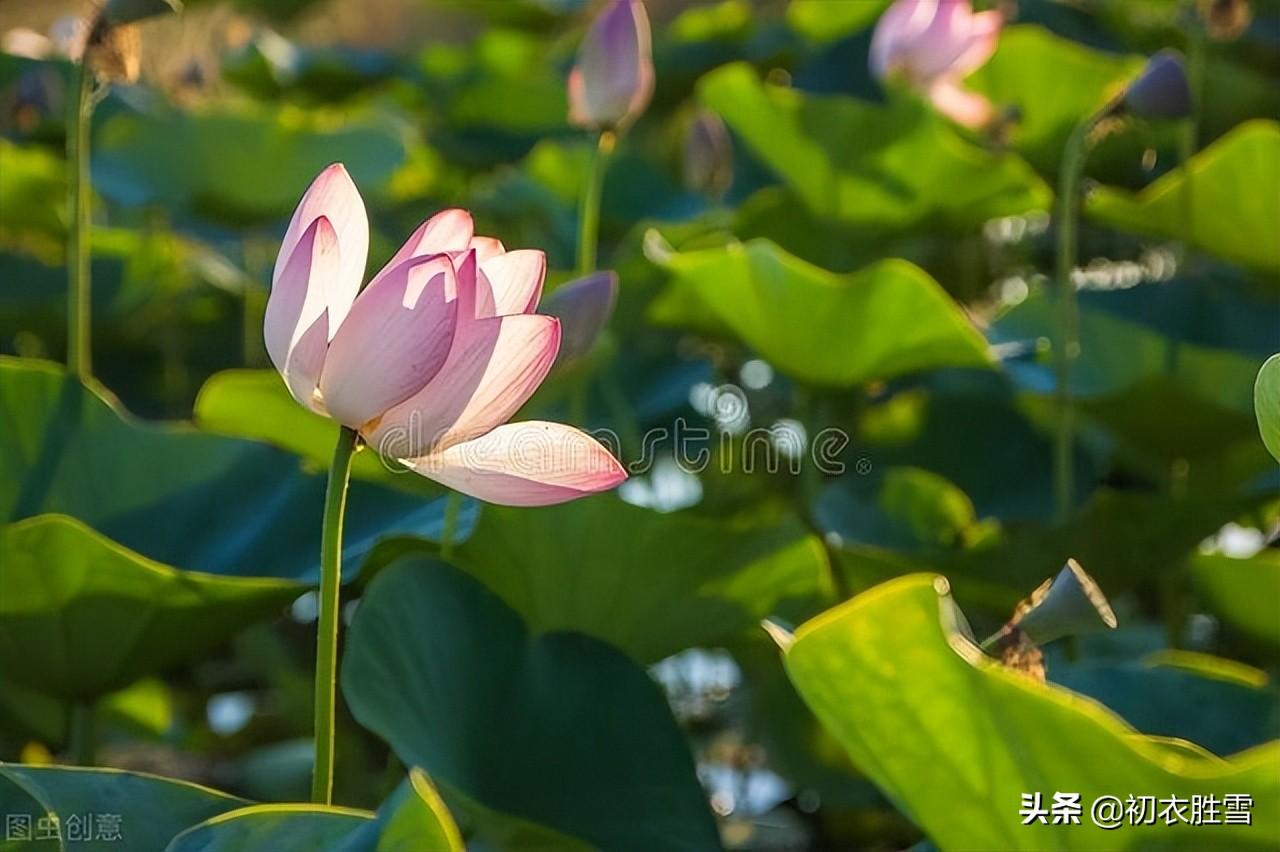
[883,167]
[146,810]
[934,722]
[884,321]
[1223,211]
[82,616]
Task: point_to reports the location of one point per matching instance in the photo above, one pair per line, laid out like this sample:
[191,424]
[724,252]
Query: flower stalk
[1066,321]
[589,209]
[79,360]
[335,506]
[80,734]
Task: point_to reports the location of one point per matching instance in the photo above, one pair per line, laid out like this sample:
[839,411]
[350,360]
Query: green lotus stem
[452,508]
[1066,321]
[589,209]
[335,506]
[79,190]
[1189,133]
[80,734]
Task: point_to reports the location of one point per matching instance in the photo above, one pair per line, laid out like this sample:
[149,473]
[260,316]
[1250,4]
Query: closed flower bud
[931,45]
[708,155]
[583,308]
[1225,20]
[613,80]
[1161,91]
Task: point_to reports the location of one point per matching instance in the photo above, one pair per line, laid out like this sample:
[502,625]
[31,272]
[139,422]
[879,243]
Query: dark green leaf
[558,729]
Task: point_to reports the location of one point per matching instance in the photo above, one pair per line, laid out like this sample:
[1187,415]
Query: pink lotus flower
[613,81]
[430,360]
[932,45]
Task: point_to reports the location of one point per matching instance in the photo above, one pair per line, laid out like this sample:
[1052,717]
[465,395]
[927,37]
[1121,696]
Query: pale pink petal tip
[535,463]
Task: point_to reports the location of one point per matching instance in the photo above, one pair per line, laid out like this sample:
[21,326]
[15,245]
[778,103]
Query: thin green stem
[80,734]
[79,191]
[589,208]
[452,508]
[1189,132]
[1066,346]
[335,506]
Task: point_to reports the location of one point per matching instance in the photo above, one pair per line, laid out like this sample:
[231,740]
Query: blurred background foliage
[869,267]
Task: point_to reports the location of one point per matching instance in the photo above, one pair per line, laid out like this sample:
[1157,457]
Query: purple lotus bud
[584,307]
[613,80]
[1161,90]
[708,155]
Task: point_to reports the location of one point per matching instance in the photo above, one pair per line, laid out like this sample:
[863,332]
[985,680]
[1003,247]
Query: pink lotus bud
[613,81]
[430,360]
[708,155]
[931,45]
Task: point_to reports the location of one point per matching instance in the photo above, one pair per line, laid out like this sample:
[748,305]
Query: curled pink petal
[486,248]
[447,231]
[394,341]
[495,365]
[525,464]
[900,23]
[984,37]
[613,80]
[961,105]
[333,196]
[516,280]
[295,326]
[477,294]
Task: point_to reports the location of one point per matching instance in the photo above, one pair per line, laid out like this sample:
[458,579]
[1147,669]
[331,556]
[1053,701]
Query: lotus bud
[931,46]
[583,307]
[118,12]
[708,155]
[613,80]
[1070,604]
[1161,91]
[1225,20]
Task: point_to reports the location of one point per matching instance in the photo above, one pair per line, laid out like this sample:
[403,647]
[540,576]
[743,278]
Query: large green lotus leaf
[82,616]
[413,819]
[955,740]
[1230,212]
[884,167]
[147,810]
[558,729]
[1190,345]
[266,828]
[1266,404]
[822,21]
[181,159]
[615,561]
[256,404]
[1054,83]
[1207,705]
[1243,592]
[175,495]
[902,520]
[883,321]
